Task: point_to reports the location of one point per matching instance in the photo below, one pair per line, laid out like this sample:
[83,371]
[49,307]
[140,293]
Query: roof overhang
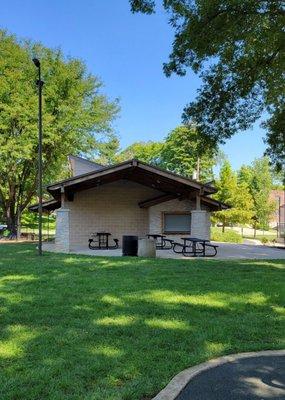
[213,205]
[47,206]
[133,170]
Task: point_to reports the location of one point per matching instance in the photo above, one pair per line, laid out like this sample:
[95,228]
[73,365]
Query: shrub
[264,240]
[227,236]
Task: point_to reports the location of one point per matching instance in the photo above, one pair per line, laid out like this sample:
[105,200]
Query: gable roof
[173,185]
[81,166]
[133,170]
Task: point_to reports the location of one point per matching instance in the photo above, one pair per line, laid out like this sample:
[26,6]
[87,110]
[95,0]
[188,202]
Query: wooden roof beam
[157,200]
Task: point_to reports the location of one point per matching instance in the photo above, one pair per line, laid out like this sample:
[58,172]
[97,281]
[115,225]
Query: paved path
[257,378]
[225,251]
[228,251]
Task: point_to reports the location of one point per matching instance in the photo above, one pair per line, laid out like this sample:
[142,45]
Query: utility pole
[39,84]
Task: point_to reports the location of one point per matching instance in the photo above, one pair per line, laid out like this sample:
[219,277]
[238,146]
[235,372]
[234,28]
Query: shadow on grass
[79,327]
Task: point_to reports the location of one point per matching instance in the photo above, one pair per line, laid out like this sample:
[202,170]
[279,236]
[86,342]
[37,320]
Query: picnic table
[193,244]
[161,243]
[100,241]
[197,246]
[157,238]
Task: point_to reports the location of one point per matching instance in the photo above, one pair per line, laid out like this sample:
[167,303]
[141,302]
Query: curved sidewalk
[245,376]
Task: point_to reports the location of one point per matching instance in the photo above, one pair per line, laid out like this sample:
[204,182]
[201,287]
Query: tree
[276,141]
[150,152]
[183,154]
[234,194]
[180,152]
[237,47]
[75,116]
[259,180]
[107,151]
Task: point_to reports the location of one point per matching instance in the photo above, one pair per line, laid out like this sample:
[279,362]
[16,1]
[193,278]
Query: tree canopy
[236,194]
[247,191]
[182,153]
[259,180]
[106,151]
[150,152]
[75,117]
[238,49]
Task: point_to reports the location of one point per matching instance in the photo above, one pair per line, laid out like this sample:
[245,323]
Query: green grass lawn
[79,327]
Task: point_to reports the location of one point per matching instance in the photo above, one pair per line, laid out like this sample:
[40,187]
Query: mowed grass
[79,327]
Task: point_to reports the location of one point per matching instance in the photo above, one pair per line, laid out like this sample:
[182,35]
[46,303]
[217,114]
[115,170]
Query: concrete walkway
[244,376]
[225,251]
[246,379]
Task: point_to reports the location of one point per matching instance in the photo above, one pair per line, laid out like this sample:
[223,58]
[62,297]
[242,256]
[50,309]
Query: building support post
[62,233]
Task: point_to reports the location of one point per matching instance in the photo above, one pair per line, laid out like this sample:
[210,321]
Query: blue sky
[126,51]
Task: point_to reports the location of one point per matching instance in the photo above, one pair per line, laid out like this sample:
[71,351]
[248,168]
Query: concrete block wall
[62,235]
[111,208]
[200,224]
[114,208]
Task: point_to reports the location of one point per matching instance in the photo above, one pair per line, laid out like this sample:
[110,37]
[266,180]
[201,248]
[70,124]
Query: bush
[264,240]
[227,236]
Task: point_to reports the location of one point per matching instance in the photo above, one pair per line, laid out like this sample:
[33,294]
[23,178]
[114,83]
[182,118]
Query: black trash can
[130,245]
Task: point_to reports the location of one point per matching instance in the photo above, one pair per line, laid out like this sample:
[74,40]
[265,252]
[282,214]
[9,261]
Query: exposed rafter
[157,200]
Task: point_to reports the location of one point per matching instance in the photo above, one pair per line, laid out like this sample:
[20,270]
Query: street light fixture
[39,84]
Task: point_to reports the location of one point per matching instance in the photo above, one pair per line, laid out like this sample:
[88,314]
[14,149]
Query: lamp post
[40,83]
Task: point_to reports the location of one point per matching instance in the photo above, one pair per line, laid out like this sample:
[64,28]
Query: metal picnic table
[158,239]
[194,242]
[161,242]
[100,241]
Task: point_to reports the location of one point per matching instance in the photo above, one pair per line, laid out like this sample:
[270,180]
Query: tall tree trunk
[11,221]
[19,225]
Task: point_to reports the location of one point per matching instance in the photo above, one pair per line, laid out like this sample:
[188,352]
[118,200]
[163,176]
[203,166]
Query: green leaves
[76,115]
[144,6]
[238,49]
[236,194]
[150,152]
[183,151]
[248,192]
[259,179]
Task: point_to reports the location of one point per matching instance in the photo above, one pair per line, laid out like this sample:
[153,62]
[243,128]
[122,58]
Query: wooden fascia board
[216,203]
[87,177]
[170,176]
[175,177]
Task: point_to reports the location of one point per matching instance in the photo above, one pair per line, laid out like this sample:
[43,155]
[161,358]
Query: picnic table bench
[192,246]
[161,242]
[100,241]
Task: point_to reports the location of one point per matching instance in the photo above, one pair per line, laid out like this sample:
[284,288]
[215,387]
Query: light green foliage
[179,153]
[227,236]
[235,194]
[182,150]
[237,48]
[29,221]
[150,152]
[75,117]
[264,240]
[112,328]
[259,180]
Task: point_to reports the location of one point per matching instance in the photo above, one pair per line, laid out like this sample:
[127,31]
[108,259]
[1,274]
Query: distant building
[278,218]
